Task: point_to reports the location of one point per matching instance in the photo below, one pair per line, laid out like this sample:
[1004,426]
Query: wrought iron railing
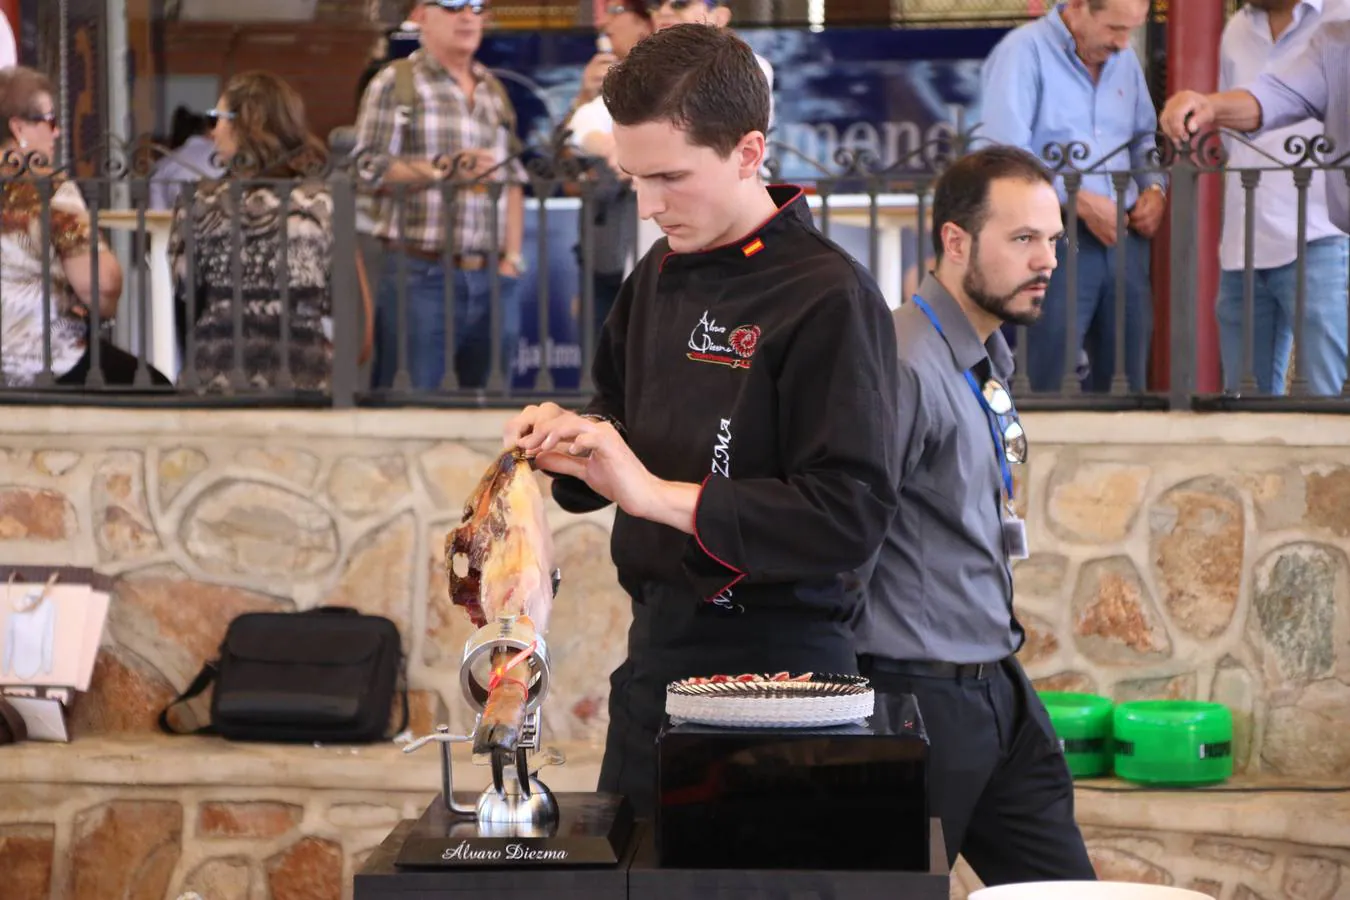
[880,213]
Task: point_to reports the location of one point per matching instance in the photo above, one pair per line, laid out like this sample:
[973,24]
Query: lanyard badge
[1010,443]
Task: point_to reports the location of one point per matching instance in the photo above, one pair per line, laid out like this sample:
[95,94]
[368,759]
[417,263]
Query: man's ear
[721,16]
[956,244]
[749,154]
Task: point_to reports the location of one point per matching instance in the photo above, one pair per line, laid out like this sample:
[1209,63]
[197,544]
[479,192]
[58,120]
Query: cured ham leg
[499,563]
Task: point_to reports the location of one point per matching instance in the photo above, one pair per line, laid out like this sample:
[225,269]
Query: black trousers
[997,777]
[117,365]
[675,635]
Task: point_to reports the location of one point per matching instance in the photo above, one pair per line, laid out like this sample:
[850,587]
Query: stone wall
[204,520]
[1213,568]
[143,818]
[1173,555]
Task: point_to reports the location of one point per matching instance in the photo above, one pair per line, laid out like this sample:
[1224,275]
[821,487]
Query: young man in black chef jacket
[744,420]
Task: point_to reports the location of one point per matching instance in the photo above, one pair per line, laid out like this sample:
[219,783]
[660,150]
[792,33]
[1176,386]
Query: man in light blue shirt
[1261,35]
[1070,76]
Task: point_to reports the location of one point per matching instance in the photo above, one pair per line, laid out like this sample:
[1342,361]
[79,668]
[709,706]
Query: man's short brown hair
[700,78]
[961,195]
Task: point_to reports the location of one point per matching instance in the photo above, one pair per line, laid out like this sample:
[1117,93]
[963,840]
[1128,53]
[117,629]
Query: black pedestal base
[637,877]
[381,879]
[592,830]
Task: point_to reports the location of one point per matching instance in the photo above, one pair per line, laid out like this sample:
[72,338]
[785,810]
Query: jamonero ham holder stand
[516,820]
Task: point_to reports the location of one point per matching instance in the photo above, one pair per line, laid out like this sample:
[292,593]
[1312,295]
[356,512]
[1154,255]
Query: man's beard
[1000,306]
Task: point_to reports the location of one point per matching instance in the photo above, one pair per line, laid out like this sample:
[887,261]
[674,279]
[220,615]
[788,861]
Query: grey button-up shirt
[941,587]
[1313,85]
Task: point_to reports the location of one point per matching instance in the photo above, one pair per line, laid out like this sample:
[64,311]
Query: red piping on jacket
[704,547]
[748,237]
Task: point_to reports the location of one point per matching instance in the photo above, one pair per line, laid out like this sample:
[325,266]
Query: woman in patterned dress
[28,142]
[260,133]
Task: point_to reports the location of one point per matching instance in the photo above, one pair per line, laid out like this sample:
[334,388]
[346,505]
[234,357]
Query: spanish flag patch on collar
[752,248]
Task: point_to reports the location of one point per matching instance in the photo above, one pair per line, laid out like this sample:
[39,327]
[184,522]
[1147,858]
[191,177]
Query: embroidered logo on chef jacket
[710,343]
[721,458]
[721,465]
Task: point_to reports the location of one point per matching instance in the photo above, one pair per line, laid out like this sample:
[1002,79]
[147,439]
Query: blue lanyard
[1004,470]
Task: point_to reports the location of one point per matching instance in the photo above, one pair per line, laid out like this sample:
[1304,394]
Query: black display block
[649,881]
[592,830]
[833,798]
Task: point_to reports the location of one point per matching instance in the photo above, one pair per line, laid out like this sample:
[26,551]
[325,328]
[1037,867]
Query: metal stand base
[591,830]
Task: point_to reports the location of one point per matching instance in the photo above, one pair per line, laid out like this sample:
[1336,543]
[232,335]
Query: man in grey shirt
[938,622]
[1310,85]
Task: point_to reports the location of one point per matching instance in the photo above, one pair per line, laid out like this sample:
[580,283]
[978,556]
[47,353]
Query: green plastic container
[1173,742]
[1083,724]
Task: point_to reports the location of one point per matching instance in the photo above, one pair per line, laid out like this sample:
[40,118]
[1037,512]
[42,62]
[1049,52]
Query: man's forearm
[671,503]
[1238,110]
[405,171]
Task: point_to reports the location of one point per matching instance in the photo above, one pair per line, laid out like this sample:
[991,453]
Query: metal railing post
[1182,286]
[348,310]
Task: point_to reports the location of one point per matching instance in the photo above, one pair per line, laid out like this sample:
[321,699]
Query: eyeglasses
[217,115]
[998,398]
[1001,405]
[677,5]
[616,9]
[477,7]
[38,118]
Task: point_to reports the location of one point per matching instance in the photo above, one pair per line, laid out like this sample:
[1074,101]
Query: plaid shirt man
[443,122]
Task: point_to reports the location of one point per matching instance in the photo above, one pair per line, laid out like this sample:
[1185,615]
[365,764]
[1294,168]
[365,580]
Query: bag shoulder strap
[405,90]
[199,684]
[508,110]
[405,99]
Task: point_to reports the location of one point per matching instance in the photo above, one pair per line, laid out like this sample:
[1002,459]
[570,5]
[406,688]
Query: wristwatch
[517,260]
[610,420]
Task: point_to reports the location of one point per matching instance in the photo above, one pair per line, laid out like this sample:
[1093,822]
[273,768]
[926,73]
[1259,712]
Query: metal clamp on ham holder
[517,803]
[499,565]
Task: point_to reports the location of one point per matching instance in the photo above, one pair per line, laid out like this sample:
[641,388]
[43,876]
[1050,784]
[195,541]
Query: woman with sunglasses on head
[665,13]
[938,624]
[269,156]
[64,249]
[613,207]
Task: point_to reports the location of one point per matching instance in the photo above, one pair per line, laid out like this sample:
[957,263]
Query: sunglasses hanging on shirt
[1001,405]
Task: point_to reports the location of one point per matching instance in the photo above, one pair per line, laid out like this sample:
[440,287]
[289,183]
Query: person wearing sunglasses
[50,279]
[665,13]
[622,24]
[613,207]
[444,106]
[938,623]
[746,403]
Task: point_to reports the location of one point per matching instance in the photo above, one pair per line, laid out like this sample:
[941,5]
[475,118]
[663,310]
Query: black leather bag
[13,728]
[329,675]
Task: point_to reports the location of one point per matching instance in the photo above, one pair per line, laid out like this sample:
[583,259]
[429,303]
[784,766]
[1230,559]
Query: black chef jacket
[764,370]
